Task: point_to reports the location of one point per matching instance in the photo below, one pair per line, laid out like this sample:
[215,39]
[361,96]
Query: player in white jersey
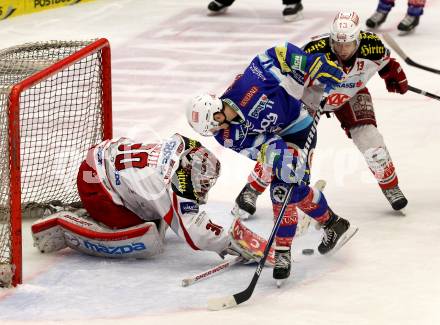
[131,192]
[362,55]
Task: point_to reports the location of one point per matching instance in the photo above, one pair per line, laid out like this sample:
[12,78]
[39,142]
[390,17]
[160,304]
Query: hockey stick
[211,272]
[422,92]
[238,298]
[393,44]
[320,185]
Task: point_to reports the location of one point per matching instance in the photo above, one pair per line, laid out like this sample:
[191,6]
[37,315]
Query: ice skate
[408,23]
[216,8]
[293,12]
[281,270]
[396,198]
[337,231]
[245,203]
[376,19]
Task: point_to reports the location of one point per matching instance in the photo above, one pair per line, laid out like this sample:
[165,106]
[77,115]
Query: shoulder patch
[371,47]
[321,45]
[189,207]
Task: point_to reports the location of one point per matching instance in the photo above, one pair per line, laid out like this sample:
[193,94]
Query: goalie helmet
[197,174]
[200,113]
[345,28]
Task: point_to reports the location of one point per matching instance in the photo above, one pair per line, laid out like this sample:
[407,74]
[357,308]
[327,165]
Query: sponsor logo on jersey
[281,53]
[248,96]
[337,99]
[169,170]
[193,143]
[114,250]
[261,105]
[189,207]
[167,151]
[117,178]
[99,156]
[181,178]
[351,84]
[279,193]
[257,71]
[298,76]
[298,62]
[371,36]
[368,49]
[316,46]
[266,124]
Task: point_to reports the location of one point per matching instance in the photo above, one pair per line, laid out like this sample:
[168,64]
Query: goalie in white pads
[131,192]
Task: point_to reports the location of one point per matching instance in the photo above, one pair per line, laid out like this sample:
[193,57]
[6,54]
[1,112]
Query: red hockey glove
[395,78]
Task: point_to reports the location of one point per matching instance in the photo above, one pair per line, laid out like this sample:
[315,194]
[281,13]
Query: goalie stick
[211,272]
[393,44]
[302,228]
[238,298]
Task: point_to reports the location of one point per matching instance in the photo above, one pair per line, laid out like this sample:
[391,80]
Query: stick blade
[187,282]
[221,303]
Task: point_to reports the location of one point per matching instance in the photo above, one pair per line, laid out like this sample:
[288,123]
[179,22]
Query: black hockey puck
[308,251]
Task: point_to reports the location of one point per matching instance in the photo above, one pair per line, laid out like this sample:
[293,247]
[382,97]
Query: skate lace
[394,194]
[329,236]
[282,260]
[249,197]
[377,16]
[408,20]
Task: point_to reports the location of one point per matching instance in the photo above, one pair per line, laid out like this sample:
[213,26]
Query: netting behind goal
[55,103]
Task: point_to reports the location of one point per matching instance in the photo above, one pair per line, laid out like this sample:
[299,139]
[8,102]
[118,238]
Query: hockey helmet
[200,113]
[197,174]
[345,28]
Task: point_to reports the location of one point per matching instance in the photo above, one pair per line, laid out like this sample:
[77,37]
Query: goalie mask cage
[55,103]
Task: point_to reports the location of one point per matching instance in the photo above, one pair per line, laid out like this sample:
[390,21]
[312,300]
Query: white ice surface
[166,51]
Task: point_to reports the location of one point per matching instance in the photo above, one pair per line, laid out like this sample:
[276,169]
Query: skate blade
[280,282]
[239,213]
[292,18]
[216,13]
[345,238]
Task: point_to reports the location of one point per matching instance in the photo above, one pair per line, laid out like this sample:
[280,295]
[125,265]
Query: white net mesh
[60,118]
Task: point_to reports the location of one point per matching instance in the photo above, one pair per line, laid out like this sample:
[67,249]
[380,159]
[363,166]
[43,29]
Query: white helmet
[345,28]
[200,113]
[198,172]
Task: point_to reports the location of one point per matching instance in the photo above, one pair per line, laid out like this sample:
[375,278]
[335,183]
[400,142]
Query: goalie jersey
[138,177]
[370,57]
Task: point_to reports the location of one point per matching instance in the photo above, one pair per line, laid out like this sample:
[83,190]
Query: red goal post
[55,103]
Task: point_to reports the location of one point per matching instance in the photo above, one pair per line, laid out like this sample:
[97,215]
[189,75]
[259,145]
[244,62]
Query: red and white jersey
[138,177]
[370,57]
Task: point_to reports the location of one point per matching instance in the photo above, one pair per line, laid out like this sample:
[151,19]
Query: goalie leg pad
[249,244]
[67,229]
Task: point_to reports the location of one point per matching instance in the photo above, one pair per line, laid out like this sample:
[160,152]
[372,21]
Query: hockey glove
[395,78]
[325,71]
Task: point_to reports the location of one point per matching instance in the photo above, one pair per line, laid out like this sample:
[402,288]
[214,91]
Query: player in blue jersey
[260,116]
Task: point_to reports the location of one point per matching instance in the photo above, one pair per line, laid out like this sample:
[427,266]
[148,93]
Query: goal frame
[102,45]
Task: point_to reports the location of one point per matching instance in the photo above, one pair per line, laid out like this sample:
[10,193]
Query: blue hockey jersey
[266,98]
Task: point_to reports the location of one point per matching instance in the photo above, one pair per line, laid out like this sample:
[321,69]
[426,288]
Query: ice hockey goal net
[55,103]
